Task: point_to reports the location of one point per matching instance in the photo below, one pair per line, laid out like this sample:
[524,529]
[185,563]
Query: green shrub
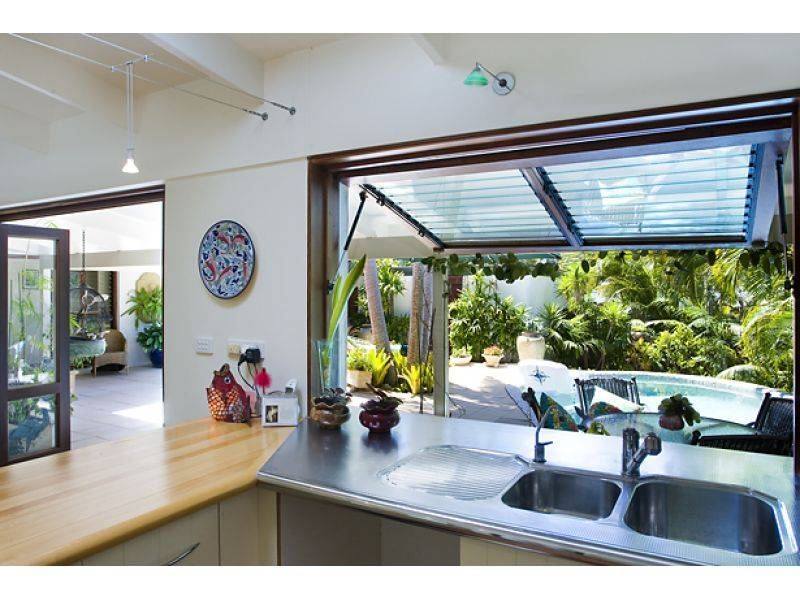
[681,351]
[357,359]
[479,318]
[397,328]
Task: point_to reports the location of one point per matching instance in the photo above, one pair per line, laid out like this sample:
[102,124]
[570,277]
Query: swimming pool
[735,401]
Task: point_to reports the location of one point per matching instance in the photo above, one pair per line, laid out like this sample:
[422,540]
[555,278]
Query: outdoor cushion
[558,418]
[599,409]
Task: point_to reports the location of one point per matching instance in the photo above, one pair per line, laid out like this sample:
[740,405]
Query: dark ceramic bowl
[377,418]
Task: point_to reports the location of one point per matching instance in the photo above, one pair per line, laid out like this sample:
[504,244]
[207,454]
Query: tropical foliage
[719,313]
[481,317]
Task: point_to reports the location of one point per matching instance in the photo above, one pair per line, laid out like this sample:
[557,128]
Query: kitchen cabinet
[475,552]
[240,530]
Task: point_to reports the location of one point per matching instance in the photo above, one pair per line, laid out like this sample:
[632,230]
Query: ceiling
[268,46]
[127,228]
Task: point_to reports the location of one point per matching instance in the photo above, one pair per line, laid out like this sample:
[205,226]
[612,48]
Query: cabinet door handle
[182,555]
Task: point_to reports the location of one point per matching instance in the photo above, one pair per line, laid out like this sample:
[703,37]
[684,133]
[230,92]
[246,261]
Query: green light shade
[476,77]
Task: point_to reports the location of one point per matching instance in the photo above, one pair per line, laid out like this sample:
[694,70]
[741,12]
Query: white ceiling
[126,228]
[268,46]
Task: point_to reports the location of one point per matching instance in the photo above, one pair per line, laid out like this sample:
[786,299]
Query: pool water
[735,401]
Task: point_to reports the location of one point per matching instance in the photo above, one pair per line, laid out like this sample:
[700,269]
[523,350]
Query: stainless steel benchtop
[343,466]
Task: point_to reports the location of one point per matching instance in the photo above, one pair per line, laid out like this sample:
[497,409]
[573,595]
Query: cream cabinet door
[190,540]
[248,529]
[476,553]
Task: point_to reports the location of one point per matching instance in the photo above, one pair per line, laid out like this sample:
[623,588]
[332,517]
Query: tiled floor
[112,406]
[477,392]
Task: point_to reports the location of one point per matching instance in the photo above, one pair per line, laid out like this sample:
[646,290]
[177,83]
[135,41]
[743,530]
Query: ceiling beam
[61,79]
[554,206]
[432,45]
[216,56]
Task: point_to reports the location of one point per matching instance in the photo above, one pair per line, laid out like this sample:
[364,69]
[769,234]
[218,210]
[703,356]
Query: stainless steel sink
[551,491]
[727,519]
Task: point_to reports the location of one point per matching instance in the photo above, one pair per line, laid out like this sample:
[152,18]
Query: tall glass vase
[327,358]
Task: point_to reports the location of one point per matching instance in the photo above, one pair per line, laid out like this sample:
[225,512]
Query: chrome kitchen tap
[633,455]
[538,456]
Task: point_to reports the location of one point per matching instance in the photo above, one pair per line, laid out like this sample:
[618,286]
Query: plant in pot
[151,339]
[460,357]
[147,307]
[358,369]
[675,410]
[530,343]
[329,410]
[380,414]
[343,288]
[492,355]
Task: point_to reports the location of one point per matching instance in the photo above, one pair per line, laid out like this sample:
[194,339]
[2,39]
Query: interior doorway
[115,313]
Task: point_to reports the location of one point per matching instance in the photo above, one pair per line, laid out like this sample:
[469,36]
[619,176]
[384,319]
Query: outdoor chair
[758,443]
[624,388]
[115,353]
[776,416]
[526,403]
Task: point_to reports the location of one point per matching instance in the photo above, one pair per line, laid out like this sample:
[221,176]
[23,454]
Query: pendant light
[130,164]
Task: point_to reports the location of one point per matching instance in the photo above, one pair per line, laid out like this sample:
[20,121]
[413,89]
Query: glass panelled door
[34,367]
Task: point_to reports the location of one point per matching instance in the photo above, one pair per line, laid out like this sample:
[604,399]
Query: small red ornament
[262,379]
[227,400]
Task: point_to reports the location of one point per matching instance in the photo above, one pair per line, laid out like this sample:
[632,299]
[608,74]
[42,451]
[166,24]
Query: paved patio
[476,391]
[113,406]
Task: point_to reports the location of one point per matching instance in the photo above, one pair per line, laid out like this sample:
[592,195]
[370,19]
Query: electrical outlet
[242,345]
[204,345]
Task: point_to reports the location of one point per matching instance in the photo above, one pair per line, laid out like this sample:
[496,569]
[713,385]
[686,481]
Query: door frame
[60,386]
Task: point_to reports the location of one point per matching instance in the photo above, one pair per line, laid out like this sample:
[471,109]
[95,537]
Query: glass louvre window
[697,193]
[477,207]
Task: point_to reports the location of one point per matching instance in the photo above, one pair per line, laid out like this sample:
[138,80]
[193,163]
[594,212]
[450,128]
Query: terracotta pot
[329,416]
[358,380]
[492,360]
[378,419]
[671,422]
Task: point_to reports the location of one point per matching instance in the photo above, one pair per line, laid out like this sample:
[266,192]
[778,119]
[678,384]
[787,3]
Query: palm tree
[377,319]
[415,351]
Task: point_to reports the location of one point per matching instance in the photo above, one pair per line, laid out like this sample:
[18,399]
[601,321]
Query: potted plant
[675,410]
[147,307]
[530,343]
[492,355]
[460,357]
[151,339]
[358,369]
[329,410]
[380,414]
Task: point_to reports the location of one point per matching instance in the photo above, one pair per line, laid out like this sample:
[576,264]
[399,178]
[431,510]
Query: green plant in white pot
[359,375]
[493,355]
[460,357]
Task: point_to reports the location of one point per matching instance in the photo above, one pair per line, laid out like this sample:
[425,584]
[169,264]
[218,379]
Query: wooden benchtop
[61,508]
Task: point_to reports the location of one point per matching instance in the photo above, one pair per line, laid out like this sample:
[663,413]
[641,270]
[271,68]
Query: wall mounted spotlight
[502,83]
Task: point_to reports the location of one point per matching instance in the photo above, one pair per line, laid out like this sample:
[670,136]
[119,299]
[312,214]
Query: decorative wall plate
[226,259]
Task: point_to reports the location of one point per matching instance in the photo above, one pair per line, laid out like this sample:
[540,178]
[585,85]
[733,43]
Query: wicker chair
[115,354]
[776,416]
[624,388]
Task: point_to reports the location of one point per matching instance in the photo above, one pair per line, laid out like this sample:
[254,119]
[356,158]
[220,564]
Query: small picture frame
[30,279]
[272,413]
[280,409]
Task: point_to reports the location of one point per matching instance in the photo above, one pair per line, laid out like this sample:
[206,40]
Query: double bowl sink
[714,516]
[717,517]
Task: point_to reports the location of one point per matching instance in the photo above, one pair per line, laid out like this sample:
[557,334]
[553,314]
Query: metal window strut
[121,68]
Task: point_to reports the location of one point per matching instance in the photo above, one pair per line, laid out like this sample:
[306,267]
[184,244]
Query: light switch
[204,345]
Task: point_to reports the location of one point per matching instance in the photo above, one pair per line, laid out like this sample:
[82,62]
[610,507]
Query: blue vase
[157,358]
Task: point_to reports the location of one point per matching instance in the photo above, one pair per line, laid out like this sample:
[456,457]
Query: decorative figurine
[227,400]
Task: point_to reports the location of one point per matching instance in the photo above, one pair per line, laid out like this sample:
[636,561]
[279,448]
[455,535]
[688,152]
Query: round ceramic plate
[226,259]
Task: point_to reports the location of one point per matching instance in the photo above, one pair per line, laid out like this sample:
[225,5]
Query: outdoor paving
[113,406]
[477,392]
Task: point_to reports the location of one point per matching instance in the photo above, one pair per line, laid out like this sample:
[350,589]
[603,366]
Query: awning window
[694,193]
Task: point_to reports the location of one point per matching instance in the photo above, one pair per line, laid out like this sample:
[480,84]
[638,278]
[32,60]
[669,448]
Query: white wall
[270,202]
[356,92]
